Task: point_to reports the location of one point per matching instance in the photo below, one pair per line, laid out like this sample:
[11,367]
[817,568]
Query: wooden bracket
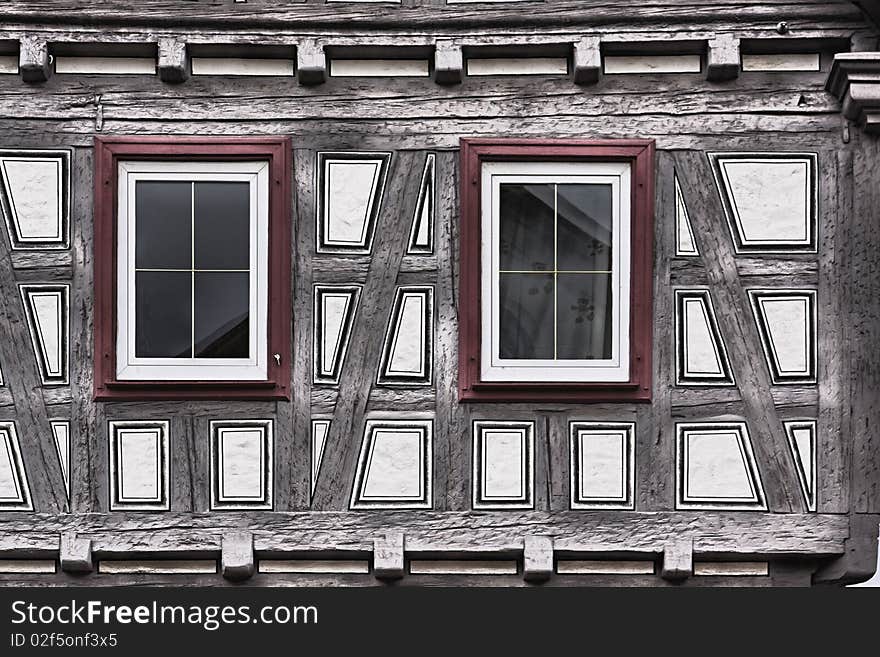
[859,560]
[388,556]
[75,553]
[855,80]
[237,555]
[724,58]
[678,559]
[448,62]
[311,63]
[33,59]
[537,558]
[587,61]
[173,61]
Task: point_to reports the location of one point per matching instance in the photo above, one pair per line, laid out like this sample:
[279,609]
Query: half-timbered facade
[563,292]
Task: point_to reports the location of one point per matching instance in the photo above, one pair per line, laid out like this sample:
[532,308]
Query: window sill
[191,390]
[555,392]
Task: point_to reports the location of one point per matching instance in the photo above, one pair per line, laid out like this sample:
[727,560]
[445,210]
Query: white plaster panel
[105,65]
[685,243]
[242,462]
[379,68]
[781,62]
[27,566]
[315,566]
[349,194]
[701,353]
[769,198]
[320,428]
[394,466]
[454,567]
[407,350]
[716,467]
[139,464]
[34,186]
[8,64]
[61,433]
[47,312]
[235,66]
[10,488]
[788,324]
[503,460]
[578,567]
[335,309]
[517,66]
[602,465]
[626,64]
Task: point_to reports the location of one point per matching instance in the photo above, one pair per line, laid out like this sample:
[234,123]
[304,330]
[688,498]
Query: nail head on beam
[448,62]
[311,63]
[587,61]
[537,558]
[173,65]
[33,59]
[75,554]
[724,58]
[678,559]
[237,555]
[388,554]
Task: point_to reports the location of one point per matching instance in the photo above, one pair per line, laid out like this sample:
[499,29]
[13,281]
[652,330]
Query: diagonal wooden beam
[43,469]
[775,464]
[333,487]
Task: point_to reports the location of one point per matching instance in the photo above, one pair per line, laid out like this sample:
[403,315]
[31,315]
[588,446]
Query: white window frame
[131,368]
[493,367]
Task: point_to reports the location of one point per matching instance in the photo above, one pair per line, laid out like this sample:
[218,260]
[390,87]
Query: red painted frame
[108,152]
[640,153]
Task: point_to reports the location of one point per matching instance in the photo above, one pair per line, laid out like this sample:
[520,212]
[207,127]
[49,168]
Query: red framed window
[192,268]
[556,270]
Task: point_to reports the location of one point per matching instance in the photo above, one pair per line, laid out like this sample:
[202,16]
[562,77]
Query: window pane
[584,231]
[526,315]
[222,219]
[162,311]
[221,315]
[163,222]
[526,240]
[584,317]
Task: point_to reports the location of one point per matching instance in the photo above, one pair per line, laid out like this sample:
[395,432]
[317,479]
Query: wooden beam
[678,559]
[448,62]
[724,58]
[587,61]
[33,59]
[75,553]
[388,556]
[237,555]
[736,533]
[776,467]
[537,558]
[173,60]
[311,62]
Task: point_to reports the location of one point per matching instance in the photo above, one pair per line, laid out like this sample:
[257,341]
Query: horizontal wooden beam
[733,534]
[588,13]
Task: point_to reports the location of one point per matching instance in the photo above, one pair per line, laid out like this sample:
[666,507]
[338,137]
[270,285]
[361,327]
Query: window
[556,270]
[192,268]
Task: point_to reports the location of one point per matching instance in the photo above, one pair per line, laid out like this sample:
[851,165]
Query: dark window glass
[526,240]
[163,225]
[222,220]
[564,230]
[584,231]
[526,302]
[221,314]
[163,307]
[583,324]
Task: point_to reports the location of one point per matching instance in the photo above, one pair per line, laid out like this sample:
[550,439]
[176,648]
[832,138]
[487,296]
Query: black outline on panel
[9,442]
[683,219]
[354,294]
[391,332]
[681,377]
[425,501]
[164,465]
[756,503]
[807,487]
[63,459]
[727,200]
[384,159]
[315,460]
[628,429]
[265,501]
[776,375]
[427,194]
[26,290]
[527,465]
[7,207]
